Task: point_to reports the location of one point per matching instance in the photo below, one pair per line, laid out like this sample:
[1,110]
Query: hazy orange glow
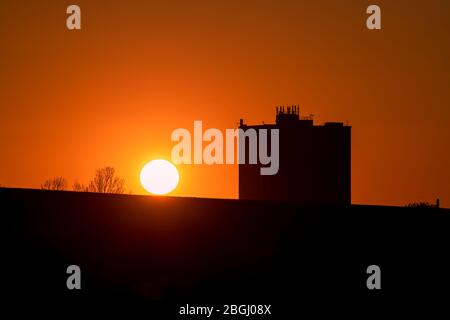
[111,94]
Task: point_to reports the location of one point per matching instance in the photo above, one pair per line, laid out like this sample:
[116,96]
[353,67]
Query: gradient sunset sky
[113,92]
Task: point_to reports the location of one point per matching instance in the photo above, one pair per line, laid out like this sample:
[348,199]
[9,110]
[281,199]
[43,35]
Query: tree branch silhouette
[105,181]
[57,184]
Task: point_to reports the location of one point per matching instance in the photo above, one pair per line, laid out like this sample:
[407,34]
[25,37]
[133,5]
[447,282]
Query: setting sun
[159,177]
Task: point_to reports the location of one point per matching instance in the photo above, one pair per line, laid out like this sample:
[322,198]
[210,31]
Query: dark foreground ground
[157,254]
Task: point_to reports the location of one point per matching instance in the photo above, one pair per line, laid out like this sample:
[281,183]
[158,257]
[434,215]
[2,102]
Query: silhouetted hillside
[163,252]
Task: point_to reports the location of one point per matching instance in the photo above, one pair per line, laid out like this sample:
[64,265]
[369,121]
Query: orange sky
[111,94]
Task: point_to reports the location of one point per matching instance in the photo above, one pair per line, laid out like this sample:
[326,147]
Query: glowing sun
[159,177]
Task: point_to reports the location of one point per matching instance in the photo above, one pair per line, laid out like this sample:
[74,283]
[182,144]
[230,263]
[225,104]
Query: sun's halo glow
[159,177]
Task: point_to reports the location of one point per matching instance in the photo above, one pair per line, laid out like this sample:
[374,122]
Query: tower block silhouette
[314,162]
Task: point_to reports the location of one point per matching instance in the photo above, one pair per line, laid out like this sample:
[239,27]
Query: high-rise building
[314,162]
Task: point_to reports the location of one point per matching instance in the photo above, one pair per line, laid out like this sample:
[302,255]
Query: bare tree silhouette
[421,205]
[105,181]
[79,187]
[57,183]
